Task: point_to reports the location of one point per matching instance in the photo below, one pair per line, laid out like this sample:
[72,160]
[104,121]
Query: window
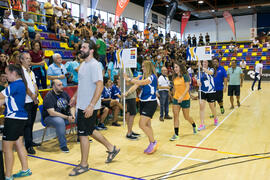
[75,8]
[104,16]
[140,26]
[112,16]
[130,23]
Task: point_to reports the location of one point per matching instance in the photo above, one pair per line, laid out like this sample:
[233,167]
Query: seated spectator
[29,24]
[63,34]
[115,90]
[52,25]
[103,113]
[37,37]
[20,45]
[6,22]
[38,62]
[57,70]
[110,103]
[255,43]
[101,50]
[73,68]
[111,70]
[57,112]
[110,23]
[74,40]
[15,58]
[3,62]
[5,47]
[16,31]
[33,7]
[232,48]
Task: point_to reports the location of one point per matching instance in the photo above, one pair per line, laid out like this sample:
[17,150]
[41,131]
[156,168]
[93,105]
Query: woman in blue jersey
[115,90]
[148,102]
[13,97]
[206,82]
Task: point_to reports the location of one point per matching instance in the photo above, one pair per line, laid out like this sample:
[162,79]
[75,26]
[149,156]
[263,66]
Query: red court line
[210,149]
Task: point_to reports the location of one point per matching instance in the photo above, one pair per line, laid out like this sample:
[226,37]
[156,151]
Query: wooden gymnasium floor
[242,133]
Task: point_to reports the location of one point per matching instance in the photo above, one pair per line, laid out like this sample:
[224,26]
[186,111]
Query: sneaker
[174,137]
[211,116]
[9,178]
[194,130]
[116,124]
[202,127]
[161,119]
[30,150]
[216,122]
[131,137]
[102,126]
[98,128]
[147,149]
[65,149]
[222,110]
[168,117]
[152,148]
[135,134]
[22,173]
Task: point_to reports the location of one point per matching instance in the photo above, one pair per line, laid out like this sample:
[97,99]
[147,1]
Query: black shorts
[219,96]
[131,106]
[234,90]
[13,129]
[106,103]
[209,97]
[148,108]
[86,126]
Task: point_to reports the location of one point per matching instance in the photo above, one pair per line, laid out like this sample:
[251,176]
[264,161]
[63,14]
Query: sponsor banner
[147,7]
[170,13]
[228,17]
[250,75]
[199,53]
[184,21]
[120,7]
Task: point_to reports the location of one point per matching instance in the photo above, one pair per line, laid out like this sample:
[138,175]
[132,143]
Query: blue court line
[102,171]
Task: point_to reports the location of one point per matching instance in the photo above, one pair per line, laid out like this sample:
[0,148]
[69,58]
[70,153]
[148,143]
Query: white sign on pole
[199,53]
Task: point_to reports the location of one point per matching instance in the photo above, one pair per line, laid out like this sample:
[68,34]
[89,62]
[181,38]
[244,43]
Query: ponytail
[18,69]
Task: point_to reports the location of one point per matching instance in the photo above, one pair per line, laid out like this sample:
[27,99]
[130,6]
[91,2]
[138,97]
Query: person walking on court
[88,100]
[130,103]
[148,101]
[163,91]
[13,97]
[235,78]
[181,98]
[220,79]
[258,75]
[206,82]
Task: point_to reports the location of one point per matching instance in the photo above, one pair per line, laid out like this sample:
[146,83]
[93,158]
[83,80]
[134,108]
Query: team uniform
[114,92]
[179,88]
[208,86]
[15,114]
[106,94]
[218,80]
[148,99]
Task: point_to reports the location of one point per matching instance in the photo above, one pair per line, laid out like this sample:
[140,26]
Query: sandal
[79,170]
[111,155]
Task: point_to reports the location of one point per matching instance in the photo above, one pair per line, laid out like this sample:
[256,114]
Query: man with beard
[57,112]
[220,80]
[90,86]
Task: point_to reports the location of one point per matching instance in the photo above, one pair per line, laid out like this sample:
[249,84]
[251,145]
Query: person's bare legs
[202,109]
[8,156]
[187,116]
[176,110]
[238,100]
[231,99]
[21,151]
[85,145]
[130,121]
[116,111]
[145,125]
[213,109]
[104,114]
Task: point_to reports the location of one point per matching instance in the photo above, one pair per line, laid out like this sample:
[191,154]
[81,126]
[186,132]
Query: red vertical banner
[184,21]
[120,7]
[228,17]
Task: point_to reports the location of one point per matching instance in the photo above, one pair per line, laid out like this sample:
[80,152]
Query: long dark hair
[182,67]
[18,69]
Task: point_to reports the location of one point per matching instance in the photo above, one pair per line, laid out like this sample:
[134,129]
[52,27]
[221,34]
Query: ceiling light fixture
[249,6]
[213,10]
[200,2]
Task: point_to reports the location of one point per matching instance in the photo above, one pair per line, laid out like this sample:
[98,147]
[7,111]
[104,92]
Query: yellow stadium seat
[263,58]
[224,59]
[42,38]
[224,47]
[36,29]
[247,67]
[245,50]
[47,53]
[260,45]
[226,68]
[256,62]
[241,46]
[239,54]
[233,58]
[254,54]
[264,49]
[226,51]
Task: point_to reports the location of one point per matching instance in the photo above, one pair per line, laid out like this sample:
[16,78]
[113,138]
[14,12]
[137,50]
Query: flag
[120,7]
[93,6]
[184,21]
[147,7]
[170,13]
[228,17]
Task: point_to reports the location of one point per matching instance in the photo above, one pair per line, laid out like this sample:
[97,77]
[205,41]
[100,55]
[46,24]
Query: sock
[193,125]
[176,131]
[221,107]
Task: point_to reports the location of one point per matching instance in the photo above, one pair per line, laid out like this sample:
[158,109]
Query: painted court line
[98,170]
[190,152]
[204,148]
[181,157]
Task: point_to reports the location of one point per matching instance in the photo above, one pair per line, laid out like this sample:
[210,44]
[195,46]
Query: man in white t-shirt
[243,65]
[163,90]
[16,31]
[58,10]
[258,75]
[90,85]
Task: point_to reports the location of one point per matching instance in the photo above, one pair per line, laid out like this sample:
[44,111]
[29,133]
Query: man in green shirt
[236,77]
[101,50]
